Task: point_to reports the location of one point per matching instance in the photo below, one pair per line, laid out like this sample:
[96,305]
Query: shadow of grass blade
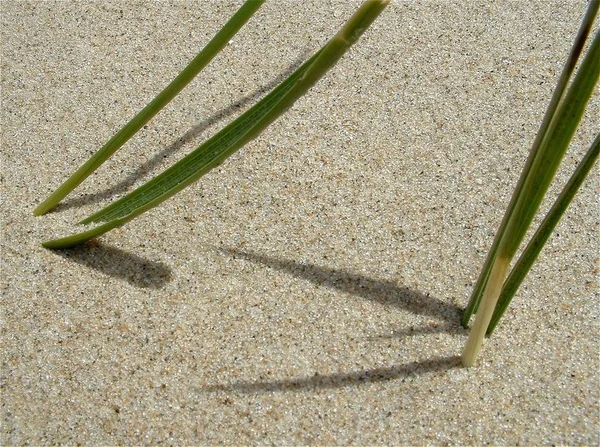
[161,100]
[559,91]
[223,144]
[537,242]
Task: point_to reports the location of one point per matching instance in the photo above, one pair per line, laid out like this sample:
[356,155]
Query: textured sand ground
[309,290]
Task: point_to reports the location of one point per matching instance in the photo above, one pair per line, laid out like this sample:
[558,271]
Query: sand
[309,290]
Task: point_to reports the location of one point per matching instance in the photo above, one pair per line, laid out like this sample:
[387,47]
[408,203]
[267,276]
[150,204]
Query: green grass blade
[558,94]
[249,125]
[537,242]
[552,149]
[183,173]
[207,156]
[161,100]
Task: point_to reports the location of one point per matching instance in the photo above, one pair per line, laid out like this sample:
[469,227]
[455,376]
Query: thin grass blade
[537,242]
[558,94]
[161,100]
[552,149]
[223,144]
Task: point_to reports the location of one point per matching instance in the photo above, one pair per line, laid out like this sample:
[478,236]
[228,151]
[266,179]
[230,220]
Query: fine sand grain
[309,290]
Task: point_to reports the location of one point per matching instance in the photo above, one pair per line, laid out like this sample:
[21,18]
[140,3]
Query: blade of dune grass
[223,144]
[161,100]
[543,168]
[558,94]
[537,242]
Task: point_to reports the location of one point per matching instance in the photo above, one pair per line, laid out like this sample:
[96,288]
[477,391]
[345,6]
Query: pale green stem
[483,317]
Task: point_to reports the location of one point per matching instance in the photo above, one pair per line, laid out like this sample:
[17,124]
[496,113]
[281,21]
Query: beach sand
[309,290]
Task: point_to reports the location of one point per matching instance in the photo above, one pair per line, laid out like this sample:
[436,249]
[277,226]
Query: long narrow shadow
[117,263]
[453,328]
[174,147]
[341,380]
[381,291]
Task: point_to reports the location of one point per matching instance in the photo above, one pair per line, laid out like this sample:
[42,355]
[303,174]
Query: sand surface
[309,290]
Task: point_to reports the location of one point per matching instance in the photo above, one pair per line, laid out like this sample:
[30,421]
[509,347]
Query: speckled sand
[309,290]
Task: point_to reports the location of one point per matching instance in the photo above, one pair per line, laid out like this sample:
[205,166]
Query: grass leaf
[538,240]
[223,144]
[161,100]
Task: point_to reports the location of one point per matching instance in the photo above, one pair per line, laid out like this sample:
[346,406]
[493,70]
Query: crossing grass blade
[559,91]
[223,144]
[552,148]
[537,242]
[161,100]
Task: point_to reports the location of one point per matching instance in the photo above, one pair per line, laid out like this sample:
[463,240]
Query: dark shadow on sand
[340,380]
[432,328]
[382,291]
[117,263]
